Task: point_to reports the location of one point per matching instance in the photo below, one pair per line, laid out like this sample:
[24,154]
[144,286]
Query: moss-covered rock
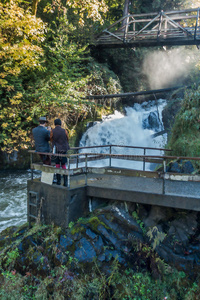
[98,256]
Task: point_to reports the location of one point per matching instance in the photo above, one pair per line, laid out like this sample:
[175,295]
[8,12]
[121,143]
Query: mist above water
[169,68]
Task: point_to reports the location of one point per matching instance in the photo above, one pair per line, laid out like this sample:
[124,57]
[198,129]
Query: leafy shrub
[185,136]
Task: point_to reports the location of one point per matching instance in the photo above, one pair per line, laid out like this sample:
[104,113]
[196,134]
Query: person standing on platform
[60,140]
[41,135]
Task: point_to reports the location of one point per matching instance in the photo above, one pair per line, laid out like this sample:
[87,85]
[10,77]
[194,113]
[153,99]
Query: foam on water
[131,129]
[13,198]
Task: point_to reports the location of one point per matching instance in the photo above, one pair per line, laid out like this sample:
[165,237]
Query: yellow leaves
[14,134]
[2,75]
[10,88]
[91,9]
[4,125]
[29,119]
[18,95]
[20,38]
[16,99]
[27,139]
[11,115]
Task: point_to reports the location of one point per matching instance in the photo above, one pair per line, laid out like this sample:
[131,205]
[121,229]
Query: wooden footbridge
[109,176]
[171,28]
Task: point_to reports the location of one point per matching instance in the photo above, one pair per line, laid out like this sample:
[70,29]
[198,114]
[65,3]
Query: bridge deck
[154,188]
[153,29]
[114,183]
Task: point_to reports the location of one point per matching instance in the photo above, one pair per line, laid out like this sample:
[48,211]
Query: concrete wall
[59,205]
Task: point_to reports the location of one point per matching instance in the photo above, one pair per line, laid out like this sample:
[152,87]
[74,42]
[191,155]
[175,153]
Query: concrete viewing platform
[61,205]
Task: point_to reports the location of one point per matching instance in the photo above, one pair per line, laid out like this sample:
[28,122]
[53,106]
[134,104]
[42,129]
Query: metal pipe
[68,177]
[144,160]
[110,151]
[31,158]
[197,20]
[85,169]
[164,171]
[77,159]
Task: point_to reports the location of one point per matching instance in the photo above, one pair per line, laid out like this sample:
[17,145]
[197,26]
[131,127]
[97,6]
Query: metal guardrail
[77,158]
[150,29]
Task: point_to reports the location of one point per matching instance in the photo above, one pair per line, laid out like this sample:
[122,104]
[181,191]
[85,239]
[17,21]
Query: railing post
[77,159]
[110,151]
[144,160]
[31,161]
[85,169]
[197,19]
[160,24]
[68,168]
[126,30]
[164,171]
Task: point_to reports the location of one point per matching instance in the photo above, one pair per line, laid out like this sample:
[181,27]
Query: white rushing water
[134,128]
[13,198]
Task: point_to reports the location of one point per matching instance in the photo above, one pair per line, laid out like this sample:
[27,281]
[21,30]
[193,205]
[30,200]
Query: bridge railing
[74,161]
[182,24]
[76,155]
[108,149]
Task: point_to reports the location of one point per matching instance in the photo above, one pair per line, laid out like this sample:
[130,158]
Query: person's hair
[57,122]
[42,122]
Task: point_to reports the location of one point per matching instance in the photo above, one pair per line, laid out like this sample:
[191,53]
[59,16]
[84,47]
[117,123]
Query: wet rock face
[185,167]
[19,160]
[169,113]
[182,244]
[151,122]
[111,233]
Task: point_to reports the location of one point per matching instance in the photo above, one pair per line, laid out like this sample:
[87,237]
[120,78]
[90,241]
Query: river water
[134,128]
[13,197]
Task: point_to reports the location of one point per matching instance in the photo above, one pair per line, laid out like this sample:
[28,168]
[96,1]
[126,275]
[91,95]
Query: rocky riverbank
[148,246]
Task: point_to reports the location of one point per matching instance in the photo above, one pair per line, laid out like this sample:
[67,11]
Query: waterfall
[134,128]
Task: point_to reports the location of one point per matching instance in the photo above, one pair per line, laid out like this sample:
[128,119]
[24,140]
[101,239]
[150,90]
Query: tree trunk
[34,7]
[126,5]
[125,12]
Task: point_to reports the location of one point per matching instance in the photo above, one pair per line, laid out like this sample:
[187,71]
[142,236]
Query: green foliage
[119,284]
[185,135]
[71,224]
[21,36]
[61,282]
[59,75]
[155,236]
[145,6]
[136,217]
[11,257]
[127,65]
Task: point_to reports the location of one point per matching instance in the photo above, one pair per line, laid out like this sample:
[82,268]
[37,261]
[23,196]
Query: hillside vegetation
[47,67]
[185,134]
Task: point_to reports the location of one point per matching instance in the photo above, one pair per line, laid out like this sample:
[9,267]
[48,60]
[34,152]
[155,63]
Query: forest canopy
[46,66]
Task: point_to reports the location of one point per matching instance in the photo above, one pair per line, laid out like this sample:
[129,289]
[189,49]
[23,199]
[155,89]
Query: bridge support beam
[173,201]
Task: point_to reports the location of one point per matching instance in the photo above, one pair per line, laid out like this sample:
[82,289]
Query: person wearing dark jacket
[41,136]
[59,138]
